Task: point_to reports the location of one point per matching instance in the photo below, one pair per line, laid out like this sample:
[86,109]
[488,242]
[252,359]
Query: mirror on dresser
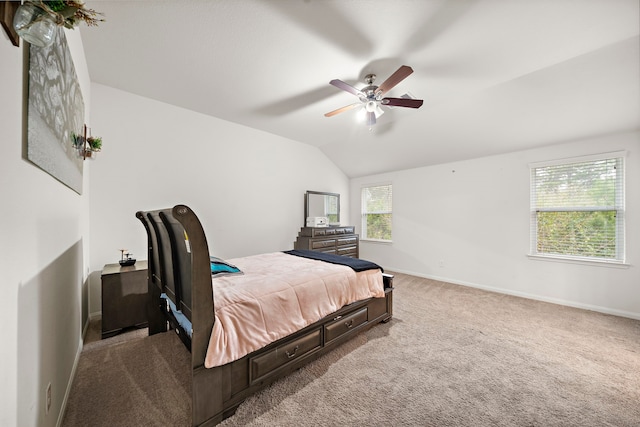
[320,204]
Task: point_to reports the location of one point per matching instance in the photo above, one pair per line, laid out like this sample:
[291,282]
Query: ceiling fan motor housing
[369,91]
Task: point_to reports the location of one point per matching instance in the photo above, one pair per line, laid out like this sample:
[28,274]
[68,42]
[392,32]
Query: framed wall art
[55,112]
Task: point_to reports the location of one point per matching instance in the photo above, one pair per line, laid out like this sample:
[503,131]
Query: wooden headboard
[179,266]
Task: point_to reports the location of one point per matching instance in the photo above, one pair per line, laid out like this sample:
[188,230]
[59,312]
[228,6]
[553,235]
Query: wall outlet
[47,399]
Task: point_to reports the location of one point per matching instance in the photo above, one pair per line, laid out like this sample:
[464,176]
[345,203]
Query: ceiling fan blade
[340,110]
[346,87]
[402,102]
[395,78]
[371,118]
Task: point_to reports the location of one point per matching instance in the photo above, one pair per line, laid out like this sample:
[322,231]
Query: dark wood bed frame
[181,269]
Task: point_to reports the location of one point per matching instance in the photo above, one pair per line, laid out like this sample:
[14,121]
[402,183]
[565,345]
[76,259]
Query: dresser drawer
[327,251]
[350,251]
[266,363]
[326,231]
[323,244]
[345,230]
[347,241]
[343,324]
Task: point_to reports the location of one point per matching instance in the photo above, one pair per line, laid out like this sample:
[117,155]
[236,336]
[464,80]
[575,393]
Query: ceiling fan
[371,96]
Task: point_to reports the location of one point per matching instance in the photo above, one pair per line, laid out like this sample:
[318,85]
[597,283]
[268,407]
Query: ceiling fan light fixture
[371,119]
[369,112]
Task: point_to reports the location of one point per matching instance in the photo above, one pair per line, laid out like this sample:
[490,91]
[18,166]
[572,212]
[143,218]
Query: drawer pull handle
[293,353]
[349,324]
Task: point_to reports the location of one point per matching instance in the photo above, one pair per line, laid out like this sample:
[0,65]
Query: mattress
[277,295]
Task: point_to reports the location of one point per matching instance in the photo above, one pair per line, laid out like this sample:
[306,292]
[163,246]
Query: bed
[352,295]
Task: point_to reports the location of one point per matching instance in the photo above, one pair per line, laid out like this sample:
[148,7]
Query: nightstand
[124,297]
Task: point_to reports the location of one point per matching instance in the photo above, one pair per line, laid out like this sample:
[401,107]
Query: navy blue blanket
[355,263]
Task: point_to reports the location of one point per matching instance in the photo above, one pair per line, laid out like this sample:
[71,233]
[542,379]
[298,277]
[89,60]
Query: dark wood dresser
[334,240]
[124,297]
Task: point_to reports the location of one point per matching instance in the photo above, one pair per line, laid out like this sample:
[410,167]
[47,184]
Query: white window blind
[377,210]
[577,209]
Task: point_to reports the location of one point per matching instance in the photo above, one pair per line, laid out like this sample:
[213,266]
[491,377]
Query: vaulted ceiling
[496,76]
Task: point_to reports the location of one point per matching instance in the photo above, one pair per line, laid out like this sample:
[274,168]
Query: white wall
[468,223]
[43,235]
[246,186]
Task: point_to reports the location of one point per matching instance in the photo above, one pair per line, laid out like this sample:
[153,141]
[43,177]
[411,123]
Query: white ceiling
[496,75]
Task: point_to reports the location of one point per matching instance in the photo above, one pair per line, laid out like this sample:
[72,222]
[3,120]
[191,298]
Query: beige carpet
[452,356]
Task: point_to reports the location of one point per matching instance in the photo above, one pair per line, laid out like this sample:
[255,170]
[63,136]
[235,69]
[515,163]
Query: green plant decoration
[95,143]
[69,13]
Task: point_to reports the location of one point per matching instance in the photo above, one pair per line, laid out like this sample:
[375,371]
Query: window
[577,208]
[376,213]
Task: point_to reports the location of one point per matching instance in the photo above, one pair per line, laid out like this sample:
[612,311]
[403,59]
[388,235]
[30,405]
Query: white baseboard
[568,303]
[63,407]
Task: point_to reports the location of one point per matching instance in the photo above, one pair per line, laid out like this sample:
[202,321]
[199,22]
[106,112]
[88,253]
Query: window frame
[363,214]
[619,207]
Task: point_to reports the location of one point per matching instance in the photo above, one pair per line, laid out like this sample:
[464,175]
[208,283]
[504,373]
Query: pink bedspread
[279,294]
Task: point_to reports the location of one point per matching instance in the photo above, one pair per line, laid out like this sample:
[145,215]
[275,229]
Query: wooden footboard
[179,267]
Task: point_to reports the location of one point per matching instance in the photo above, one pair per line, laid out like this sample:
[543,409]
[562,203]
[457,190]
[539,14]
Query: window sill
[388,242]
[582,261]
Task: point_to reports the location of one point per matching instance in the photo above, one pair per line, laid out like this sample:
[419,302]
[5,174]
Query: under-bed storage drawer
[264,364]
[343,324]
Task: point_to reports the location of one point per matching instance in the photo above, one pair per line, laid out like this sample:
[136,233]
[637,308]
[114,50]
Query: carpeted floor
[451,356]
